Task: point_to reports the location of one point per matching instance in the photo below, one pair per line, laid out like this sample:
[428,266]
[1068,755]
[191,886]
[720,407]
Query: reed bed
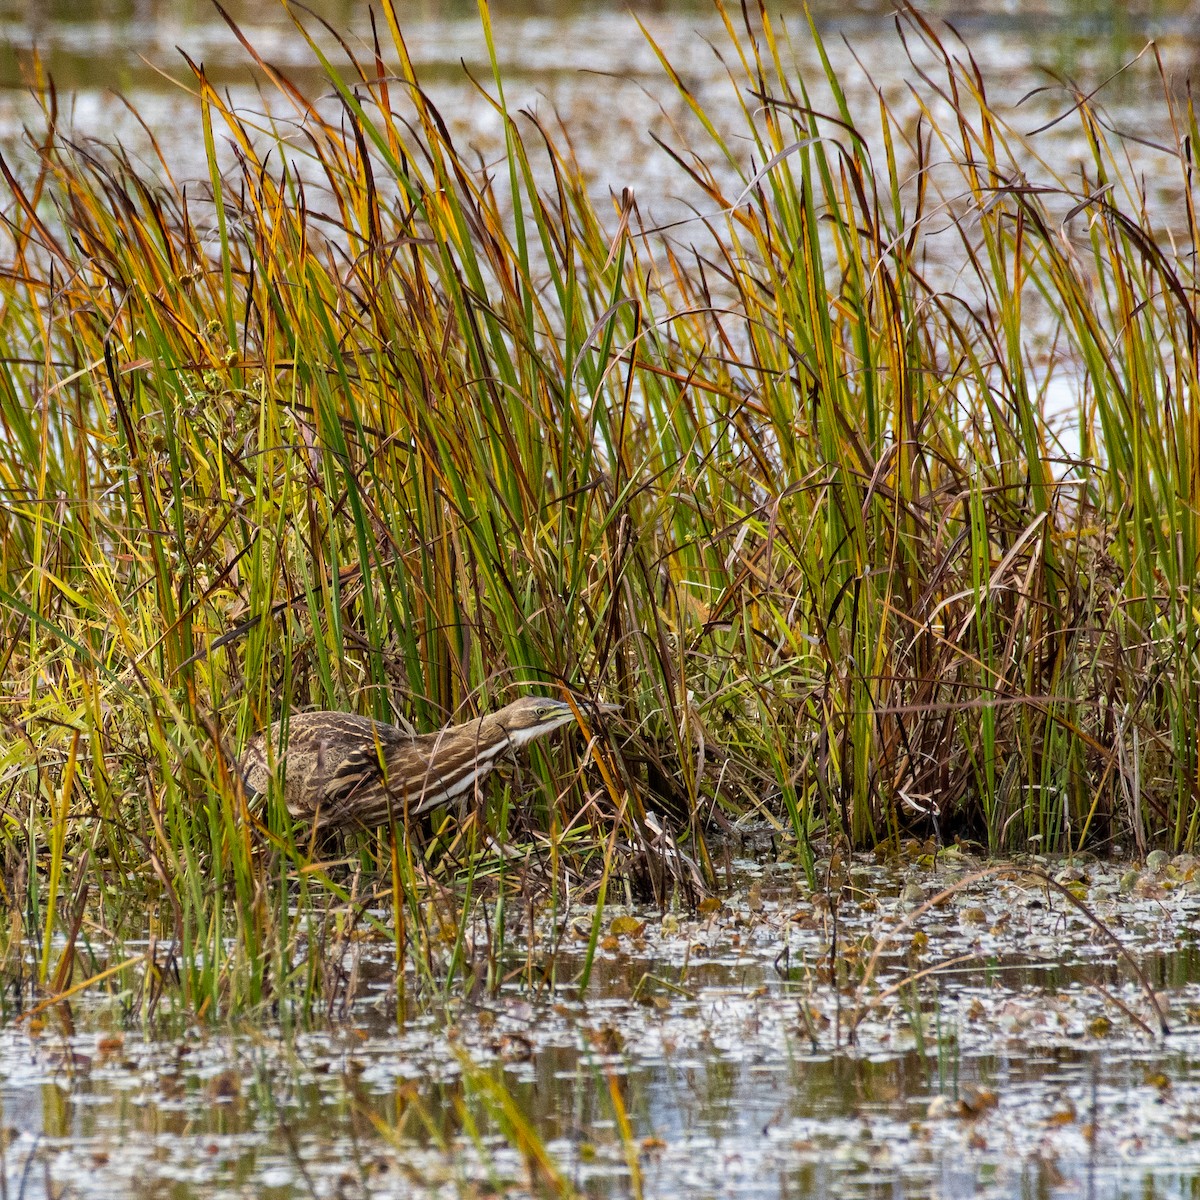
[357,423]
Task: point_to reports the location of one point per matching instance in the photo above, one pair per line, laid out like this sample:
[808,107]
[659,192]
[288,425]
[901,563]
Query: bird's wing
[356,770]
[368,781]
[333,759]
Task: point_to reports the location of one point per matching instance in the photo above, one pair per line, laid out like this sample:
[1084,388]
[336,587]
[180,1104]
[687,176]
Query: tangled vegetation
[367,426]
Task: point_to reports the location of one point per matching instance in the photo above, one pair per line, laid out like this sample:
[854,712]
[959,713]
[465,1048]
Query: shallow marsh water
[743,1063]
[591,66]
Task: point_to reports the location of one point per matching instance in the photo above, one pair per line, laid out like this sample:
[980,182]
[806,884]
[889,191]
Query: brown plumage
[341,770]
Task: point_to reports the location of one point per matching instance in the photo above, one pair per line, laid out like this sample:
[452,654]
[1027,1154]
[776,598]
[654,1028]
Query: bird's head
[533,717]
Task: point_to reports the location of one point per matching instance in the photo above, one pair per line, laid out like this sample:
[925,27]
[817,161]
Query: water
[743,1065]
[589,65]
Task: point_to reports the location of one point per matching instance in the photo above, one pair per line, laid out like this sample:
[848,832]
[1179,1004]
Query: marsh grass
[358,423]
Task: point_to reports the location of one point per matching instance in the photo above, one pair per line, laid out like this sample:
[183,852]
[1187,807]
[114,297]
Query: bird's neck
[462,755]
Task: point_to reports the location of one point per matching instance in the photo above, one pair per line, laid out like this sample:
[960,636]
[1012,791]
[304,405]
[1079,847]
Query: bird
[338,770]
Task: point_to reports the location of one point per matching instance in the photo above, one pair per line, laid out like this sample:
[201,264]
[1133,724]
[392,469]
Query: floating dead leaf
[516,1047]
[709,905]
[1100,1027]
[1158,1080]
[608,1040]
[754,900]
[224,1088]
[976,1010]
[1020,1014]
[974,1101]
[1157,860]
[919,943]
[651,1144]
[610,943]
[812,1017]
[627,927]
[108,1044]
[1063,1116]
[973,916]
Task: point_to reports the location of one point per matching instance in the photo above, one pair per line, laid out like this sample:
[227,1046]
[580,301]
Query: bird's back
[341,769]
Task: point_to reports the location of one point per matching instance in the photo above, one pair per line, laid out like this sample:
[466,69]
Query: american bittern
[340,770]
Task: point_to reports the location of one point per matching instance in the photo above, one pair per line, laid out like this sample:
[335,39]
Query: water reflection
[586,63]
[814,1125]
[1026,1072]
[104,43]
